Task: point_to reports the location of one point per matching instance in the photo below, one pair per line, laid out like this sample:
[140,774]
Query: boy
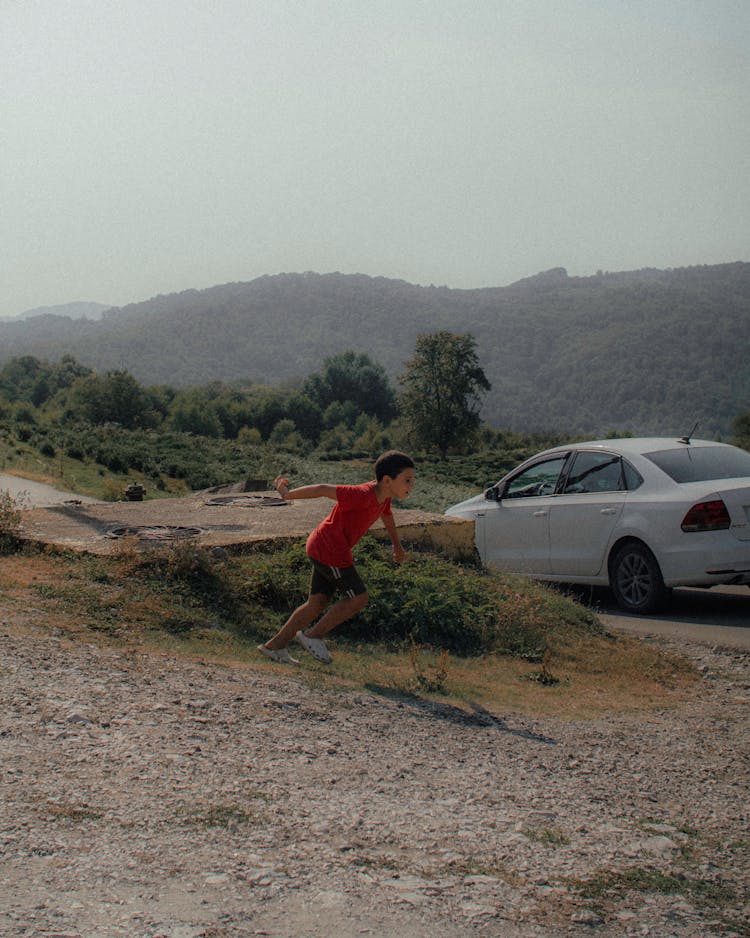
[329,548]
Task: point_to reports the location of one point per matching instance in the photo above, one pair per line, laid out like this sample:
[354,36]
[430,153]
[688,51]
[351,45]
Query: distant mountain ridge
[650,351]
[81,309]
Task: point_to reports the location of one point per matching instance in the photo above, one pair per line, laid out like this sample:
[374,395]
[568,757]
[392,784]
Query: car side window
[594,472]
[632,477]
[539,479]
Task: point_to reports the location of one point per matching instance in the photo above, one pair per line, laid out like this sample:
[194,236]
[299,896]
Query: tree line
[648,351]
[348,407]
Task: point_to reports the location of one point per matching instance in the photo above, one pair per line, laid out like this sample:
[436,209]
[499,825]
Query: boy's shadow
[479,717]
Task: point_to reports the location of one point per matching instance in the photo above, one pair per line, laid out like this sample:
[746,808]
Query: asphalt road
[718,616]
[36,494]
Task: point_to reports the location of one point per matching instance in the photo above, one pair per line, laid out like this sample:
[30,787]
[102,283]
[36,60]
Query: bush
[10,521]
[429,600]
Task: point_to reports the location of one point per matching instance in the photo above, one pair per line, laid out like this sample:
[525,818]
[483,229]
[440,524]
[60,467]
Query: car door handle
[541,513]
[609,511]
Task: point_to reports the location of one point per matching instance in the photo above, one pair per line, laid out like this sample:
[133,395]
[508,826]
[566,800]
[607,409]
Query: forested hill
[648,351]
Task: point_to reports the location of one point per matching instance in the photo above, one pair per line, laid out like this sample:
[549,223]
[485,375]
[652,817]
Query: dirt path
[145,796]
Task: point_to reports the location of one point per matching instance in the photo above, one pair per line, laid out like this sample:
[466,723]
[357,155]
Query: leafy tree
[115,397]
[29,379]
[19,376]
[442,384]
[336,441]
[285,436]
[267,407]
[340,413]
[67,371]
[306,416]
[353,377]
[370,436]
[191,413]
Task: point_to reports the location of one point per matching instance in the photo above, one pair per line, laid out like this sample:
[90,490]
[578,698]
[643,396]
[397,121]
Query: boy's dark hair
[391,463]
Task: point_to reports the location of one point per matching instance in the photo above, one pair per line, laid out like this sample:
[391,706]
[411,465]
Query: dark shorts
[330,580]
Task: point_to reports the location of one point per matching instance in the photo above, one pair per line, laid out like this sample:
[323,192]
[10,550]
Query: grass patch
[610,884]
[549,836]
[429,676]
[452,634]
[228,816]
[85,476]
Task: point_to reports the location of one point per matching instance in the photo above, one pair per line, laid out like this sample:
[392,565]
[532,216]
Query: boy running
[329,548]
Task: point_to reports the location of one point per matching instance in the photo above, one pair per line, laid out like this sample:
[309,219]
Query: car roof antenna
[686,439]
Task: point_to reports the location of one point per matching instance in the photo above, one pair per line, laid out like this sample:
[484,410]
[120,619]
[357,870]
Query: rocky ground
[146,796]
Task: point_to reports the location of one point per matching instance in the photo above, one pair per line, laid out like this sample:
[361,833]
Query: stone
[148,796]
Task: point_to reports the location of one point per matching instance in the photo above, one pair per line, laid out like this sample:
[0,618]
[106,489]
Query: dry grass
[594,674]
[597,675]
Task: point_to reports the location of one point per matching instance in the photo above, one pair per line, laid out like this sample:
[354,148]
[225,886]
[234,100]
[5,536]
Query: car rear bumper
[713,559]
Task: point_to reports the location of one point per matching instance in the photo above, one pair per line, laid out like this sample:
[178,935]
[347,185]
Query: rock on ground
[149,797]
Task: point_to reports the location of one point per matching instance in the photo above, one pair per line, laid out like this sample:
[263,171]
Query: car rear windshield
[702,463]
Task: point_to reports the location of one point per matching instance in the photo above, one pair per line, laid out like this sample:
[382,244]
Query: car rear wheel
[636,579]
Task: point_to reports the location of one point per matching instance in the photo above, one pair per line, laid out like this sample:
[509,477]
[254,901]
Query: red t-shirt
[356,510]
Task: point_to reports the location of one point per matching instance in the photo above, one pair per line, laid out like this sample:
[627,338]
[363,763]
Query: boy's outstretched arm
[398,551]
[304,491]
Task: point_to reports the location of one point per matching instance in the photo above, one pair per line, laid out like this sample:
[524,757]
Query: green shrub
[10,521]
[431,600]
[427,601]
[277,579]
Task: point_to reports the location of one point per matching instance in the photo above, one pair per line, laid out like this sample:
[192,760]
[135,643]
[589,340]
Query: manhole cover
[154,532]
[247,501]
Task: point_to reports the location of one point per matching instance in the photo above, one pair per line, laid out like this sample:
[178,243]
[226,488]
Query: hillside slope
[648,351]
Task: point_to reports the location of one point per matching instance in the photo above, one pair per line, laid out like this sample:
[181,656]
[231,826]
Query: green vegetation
[10,521]
[432,630]
[548,836]
[429,620]
[430,601]
[443,385]
[96,433]
[651,351]
[609,883]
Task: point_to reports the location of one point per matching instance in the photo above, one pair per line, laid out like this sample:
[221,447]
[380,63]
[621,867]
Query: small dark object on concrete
[134,492]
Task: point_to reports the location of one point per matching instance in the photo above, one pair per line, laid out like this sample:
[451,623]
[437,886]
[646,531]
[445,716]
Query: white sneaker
[278,654]
[316,647]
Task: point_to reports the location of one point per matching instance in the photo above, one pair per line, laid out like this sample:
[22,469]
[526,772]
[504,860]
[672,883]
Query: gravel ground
[150,797]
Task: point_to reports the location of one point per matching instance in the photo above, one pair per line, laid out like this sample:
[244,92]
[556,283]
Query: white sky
[150,146]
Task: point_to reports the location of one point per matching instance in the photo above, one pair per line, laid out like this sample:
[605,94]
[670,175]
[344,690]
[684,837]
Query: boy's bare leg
[341,611]
[299,619]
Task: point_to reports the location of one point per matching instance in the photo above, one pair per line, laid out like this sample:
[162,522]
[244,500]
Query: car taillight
[707,516]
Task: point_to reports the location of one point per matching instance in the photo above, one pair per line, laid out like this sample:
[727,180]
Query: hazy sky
[150,146]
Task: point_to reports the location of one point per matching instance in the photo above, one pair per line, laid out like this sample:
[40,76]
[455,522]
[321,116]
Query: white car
[639,515]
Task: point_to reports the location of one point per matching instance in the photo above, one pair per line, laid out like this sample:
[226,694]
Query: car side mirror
[492,494]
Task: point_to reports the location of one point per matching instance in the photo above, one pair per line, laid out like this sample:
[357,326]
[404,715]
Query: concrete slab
[235,523]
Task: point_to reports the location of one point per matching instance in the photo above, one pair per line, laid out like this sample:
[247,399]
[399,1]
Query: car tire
[636,580]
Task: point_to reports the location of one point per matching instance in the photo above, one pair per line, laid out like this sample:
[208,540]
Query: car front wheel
[636,580]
